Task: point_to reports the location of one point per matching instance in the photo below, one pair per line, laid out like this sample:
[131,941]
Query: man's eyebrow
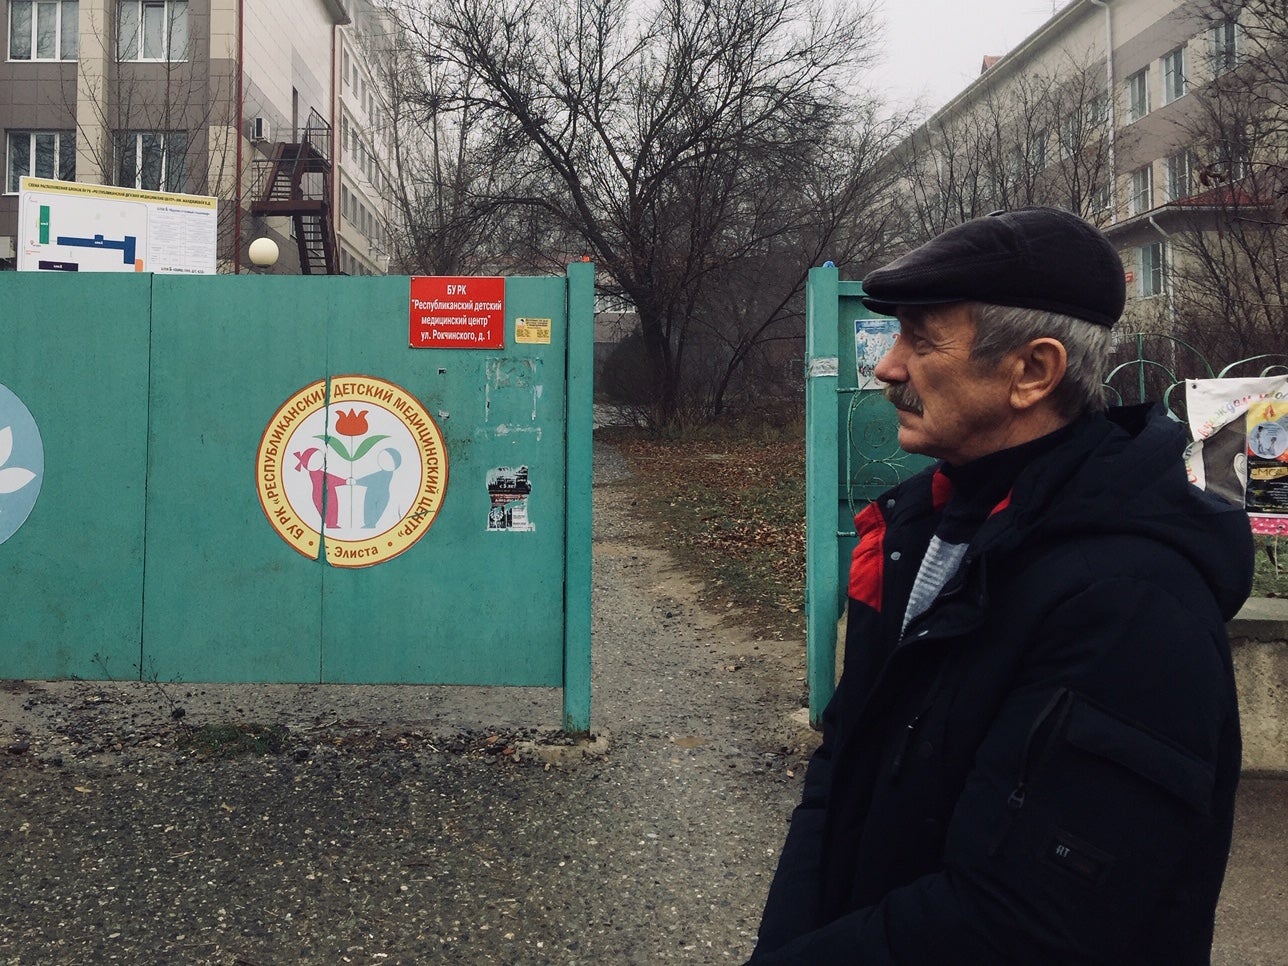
[913,315]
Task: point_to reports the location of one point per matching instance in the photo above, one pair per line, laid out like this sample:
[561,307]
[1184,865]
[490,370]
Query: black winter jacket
[1044,769]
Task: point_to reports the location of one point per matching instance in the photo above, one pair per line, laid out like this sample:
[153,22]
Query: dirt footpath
[436,825]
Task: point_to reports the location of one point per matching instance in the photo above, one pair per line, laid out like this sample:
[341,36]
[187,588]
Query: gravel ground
[454,825]
[402,824]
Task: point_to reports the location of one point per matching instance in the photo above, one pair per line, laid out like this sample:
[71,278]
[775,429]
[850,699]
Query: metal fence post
[821,480]
[577,515]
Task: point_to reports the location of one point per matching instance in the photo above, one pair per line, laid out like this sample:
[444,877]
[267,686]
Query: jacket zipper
[1056,711]
[905,739]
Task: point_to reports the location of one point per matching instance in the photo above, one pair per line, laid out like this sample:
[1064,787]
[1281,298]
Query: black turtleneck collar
[980,485]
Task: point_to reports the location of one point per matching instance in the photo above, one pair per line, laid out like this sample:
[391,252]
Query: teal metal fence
[246,478]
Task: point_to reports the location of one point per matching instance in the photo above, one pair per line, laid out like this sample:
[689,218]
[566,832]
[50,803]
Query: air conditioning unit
[259,129]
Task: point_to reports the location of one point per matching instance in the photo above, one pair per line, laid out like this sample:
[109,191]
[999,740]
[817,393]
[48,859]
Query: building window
[1180,175]
[1174,75]
[43,29]
[1098,110]
[1225,44]
[152,160]
[1233,158]
[1151,269]
[1038,150]
[1137,95]
[40,154]
[1101,198]
[1142,190]
[152,30]
[1067,137]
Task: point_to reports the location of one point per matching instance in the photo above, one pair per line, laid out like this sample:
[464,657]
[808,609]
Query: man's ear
[1037,369]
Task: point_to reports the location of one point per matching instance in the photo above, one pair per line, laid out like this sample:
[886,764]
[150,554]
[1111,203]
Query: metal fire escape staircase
[296,182]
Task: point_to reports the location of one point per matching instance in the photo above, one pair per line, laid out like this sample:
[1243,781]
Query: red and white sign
[457,312]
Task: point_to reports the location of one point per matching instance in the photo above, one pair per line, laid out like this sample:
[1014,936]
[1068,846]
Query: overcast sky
[934,47]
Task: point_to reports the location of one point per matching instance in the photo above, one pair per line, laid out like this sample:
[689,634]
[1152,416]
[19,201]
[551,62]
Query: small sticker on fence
[532,331]
[508,489]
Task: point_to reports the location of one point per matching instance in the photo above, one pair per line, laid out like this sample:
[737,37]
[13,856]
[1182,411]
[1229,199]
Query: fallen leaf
[81,788]
[228,808]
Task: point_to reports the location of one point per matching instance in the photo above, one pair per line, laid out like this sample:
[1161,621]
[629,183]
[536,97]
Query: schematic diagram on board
[70,227]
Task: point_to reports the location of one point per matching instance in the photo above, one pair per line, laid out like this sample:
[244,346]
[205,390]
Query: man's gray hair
[1000,329]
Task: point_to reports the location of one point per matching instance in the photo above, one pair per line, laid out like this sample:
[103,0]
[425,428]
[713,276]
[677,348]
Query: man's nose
[890,367]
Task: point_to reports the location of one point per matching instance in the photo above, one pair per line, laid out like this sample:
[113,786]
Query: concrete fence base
[1259,643]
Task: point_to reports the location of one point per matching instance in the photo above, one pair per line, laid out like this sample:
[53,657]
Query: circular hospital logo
[365,469]
[22,463]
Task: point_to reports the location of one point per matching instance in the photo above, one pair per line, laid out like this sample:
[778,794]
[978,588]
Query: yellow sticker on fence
[532,331]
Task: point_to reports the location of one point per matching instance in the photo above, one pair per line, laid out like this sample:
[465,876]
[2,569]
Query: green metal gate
[852,454]
[161,542]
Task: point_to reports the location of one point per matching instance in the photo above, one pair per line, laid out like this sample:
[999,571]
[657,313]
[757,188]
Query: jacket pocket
[1106,825]
[1098,732]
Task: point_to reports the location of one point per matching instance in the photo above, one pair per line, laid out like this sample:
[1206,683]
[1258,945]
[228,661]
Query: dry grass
[733,510]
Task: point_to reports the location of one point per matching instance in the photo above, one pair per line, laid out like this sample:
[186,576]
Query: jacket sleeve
[792,906]
[1091,795]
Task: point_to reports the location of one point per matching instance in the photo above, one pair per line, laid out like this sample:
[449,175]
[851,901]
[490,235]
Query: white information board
[64,226]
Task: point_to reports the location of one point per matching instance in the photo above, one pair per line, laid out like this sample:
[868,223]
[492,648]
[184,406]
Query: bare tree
[1036,138]
[442,171]
[667,145]
[1229,267]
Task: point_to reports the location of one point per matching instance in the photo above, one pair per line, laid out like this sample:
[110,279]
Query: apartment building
[363,146]
[231,98]
[1106,110]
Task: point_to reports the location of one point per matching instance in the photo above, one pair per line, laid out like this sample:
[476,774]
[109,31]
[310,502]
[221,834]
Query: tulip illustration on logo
[22,463]
[355,468]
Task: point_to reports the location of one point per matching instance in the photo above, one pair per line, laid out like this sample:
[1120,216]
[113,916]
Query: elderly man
[1032,753]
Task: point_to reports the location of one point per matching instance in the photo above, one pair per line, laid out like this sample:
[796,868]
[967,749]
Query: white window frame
[61,140]
[132,40]
[1138,95]
[1175,85]
[1234,157]
[1068,135]
[1098,110]
[134,140]
[1102,199]
[1038,152]
[1142,190]
[1152,280]
[66,15]
[1180,176]
[1225,46]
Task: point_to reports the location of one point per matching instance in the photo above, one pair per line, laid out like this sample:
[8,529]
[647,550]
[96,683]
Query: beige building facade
[176,95]
[1101,110]
[364,147]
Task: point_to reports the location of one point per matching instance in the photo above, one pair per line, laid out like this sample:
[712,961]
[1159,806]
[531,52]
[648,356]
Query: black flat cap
[1032,258]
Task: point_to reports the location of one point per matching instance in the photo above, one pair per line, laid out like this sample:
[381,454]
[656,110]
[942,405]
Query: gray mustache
[902,396]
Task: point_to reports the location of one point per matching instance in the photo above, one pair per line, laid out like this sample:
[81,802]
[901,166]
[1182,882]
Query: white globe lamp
[263,252]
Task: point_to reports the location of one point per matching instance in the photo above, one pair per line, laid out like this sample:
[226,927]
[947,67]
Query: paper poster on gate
[1267,425]
[508,489]
[873,338]
[1240,448]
